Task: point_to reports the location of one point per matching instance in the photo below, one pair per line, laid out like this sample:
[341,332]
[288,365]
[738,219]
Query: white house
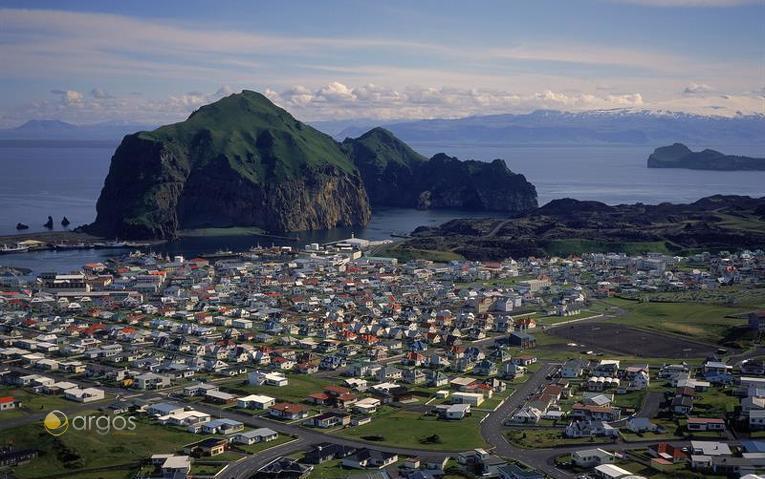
[255,401]
[262,434]
[588,458]
[84,395]
[269,379]
[474,399]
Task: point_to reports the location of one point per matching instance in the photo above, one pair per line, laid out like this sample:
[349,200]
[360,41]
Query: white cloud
[100,93]
[697,88]
[337,100]
[68,97]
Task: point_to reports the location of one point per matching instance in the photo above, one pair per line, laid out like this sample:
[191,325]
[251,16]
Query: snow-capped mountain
[621,126]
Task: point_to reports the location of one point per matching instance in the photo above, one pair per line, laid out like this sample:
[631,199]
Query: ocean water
[613,174]
[65,179]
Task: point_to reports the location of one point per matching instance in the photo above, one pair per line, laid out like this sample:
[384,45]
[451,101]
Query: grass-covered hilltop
[678,155]
[243,161]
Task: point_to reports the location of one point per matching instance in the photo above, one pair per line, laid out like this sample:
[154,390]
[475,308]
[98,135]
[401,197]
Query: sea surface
[65,179]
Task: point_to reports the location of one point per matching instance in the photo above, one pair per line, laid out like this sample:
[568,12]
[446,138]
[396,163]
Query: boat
[5,249]
[79,245]
[111,244]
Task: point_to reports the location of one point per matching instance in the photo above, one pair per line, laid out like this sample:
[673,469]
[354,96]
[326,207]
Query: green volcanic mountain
[243,161]
[680,156]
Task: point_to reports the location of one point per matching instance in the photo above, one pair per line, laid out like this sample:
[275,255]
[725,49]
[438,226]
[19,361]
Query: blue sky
[155,61]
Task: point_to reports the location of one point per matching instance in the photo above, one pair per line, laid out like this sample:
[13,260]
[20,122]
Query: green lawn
[262,446]
[411,429]
[532,438]
[330,470]
[704,322]
[75,450]
[631,400]
[405,254]
[568,247]
[714,403]
[300,387]
[32,403]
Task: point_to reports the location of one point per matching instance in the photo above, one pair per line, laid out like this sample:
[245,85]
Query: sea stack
[49,224]
[21,226]
[65,222]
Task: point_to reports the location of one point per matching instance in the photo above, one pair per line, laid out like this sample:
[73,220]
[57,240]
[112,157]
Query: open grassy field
[407,254]
[262,446]
[32,403]
[737,295]
[330,470]
[703,322]
[532,438]
[77,450]
[300,387]
[568,247]
[411,429]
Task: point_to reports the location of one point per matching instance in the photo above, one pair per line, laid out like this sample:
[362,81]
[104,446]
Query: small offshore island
[680,156]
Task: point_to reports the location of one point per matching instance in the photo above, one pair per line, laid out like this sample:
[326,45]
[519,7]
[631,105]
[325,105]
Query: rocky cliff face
[395,175]
[240,161]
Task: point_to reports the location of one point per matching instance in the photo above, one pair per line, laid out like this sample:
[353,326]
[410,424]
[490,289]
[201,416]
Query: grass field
[568,247]
[76,450]
[744,296]
[407,254]
[531,438]
[411,429]
[300,387]
[703,322]
[32,403]
[262,446]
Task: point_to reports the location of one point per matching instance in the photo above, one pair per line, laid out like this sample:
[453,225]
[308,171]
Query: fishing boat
[111,244]
[5,249]
[64,246]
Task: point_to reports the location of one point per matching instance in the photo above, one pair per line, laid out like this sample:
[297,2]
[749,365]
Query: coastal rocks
[21,226]
[49,224]
[65,222]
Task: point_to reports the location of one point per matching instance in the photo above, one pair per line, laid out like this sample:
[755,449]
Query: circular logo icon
[56,423]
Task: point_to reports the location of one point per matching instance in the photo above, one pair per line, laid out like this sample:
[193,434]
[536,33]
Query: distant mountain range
[61,130]
[541,127]
[555,127]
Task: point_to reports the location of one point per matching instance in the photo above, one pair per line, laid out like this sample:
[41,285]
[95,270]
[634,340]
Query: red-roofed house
[9,402]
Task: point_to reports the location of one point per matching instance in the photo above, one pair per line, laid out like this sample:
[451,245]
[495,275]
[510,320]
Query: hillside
[680,156]
[395,175]
[568,226]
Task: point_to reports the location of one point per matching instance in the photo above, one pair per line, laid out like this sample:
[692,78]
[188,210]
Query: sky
[155,62]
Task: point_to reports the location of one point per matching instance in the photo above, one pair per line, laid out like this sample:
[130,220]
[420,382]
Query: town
[333,361]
